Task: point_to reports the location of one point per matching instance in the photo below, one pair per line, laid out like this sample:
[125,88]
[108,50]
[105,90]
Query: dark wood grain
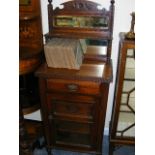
[101,72]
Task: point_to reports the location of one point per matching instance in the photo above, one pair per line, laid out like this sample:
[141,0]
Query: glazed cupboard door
[126,119]
[122,129]
[73,120]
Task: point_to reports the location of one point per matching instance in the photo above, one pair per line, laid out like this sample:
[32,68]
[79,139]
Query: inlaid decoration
[24,2]
[28,30]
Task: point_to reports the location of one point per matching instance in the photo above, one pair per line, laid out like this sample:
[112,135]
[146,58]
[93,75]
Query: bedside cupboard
[74,101]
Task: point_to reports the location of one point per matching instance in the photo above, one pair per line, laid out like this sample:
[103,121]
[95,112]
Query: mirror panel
[96,47]
[81,22]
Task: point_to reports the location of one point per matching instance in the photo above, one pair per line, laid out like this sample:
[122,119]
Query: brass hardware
[131,33]
[72,87]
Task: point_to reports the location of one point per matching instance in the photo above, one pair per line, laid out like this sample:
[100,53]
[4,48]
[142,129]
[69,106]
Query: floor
[35,128]
[119,151]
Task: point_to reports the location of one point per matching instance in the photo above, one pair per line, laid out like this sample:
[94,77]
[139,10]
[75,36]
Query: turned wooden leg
[23,143]
[49,151]
[111,149]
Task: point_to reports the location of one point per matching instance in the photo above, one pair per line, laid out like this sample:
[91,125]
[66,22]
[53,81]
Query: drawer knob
[72,87]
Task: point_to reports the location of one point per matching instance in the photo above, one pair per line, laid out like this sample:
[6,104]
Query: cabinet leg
[49,151]
[111,149]
[24,146]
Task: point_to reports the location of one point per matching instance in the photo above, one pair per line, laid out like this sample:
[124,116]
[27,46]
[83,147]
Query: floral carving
[80,5]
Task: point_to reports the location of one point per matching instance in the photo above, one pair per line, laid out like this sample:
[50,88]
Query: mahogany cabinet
[73,102]
[122,125]
[74,106]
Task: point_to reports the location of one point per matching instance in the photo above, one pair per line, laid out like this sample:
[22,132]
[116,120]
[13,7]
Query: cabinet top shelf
[100,72]
[80,34]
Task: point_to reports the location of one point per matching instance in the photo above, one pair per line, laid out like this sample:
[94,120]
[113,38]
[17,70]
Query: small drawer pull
[72,87]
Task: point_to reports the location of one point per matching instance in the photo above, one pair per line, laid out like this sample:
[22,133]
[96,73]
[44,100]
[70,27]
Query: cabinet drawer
[73,127]
[84,87]
[72,97]
[73,139]
[76,134]
[62,108]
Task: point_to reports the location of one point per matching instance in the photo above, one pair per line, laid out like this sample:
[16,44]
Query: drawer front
[74,134]
[69,108]
[84,87]
[73,127]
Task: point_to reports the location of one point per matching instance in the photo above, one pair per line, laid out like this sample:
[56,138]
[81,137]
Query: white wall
[122,20]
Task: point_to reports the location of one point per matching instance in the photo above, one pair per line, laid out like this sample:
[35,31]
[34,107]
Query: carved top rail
[81,16]
[80,7]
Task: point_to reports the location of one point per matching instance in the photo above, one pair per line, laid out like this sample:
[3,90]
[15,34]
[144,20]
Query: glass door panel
[126,121]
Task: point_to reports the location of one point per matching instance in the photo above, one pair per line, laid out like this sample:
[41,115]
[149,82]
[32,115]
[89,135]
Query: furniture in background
[122,125]
[73,102]
[30,57]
